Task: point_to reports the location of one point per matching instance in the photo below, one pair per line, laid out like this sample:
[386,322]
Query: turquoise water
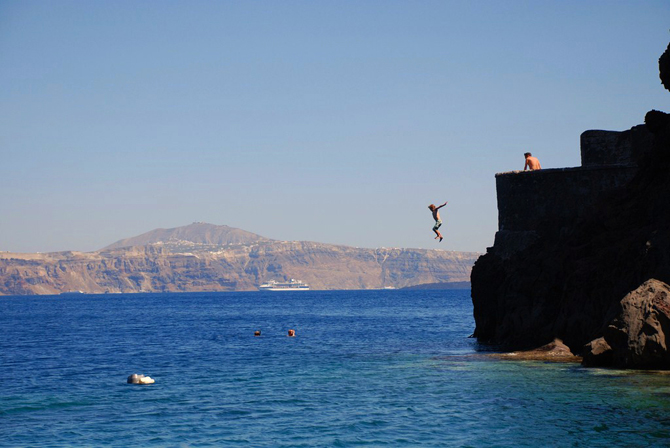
[367,368]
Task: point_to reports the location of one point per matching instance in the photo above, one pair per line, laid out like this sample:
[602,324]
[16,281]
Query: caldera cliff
[583,254]
[207,257]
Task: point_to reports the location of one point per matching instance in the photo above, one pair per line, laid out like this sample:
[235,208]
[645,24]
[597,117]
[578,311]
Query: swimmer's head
[431,207]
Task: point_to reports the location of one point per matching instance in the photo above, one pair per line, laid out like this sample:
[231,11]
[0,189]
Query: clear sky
[330,121]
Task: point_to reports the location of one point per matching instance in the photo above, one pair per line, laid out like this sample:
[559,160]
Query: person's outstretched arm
[437,208]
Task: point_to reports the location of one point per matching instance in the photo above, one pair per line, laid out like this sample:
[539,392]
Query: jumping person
[436,217]
[531,162]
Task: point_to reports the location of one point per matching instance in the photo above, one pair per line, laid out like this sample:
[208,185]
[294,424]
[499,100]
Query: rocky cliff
[576,247]
[203,257]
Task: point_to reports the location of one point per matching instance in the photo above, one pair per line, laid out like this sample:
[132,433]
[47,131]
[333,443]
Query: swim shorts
[438,223]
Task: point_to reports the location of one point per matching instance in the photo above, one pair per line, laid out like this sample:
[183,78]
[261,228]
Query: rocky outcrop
[184,265]
[555,351]
[573,243]
[664,68]
[639,335]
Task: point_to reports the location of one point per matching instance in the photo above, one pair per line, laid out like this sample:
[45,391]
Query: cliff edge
[583,254]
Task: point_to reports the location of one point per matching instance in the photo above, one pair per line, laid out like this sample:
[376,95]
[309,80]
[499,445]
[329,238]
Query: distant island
[208,257]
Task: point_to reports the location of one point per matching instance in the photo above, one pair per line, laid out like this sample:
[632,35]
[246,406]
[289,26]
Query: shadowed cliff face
[568,281]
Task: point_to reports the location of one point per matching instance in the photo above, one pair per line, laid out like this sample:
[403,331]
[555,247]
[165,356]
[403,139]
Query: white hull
[292,285]
[284,289]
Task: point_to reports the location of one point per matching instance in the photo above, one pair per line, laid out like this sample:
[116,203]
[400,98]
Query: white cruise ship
[291,285]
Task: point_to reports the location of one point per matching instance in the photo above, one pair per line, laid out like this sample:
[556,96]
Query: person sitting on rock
[531,162]
[436,217]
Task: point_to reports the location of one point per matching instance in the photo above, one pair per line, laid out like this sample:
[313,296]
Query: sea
[366,368]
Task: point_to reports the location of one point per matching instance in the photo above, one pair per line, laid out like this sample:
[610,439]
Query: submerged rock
[555,351]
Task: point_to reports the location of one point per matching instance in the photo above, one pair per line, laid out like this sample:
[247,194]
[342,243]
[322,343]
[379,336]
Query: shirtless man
[531,162]
[436,217]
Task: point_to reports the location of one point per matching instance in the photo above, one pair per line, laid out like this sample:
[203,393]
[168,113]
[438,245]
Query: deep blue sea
[366,368]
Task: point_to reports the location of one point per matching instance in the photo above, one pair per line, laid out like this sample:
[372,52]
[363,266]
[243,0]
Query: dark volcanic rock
[656,121]
[598,353]
[568,280]
[664,68]
[638,335]
[571,245]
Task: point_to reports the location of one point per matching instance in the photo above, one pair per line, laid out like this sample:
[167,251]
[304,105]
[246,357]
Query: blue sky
[329,121]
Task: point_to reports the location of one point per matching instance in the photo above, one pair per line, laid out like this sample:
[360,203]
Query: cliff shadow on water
[583,254]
